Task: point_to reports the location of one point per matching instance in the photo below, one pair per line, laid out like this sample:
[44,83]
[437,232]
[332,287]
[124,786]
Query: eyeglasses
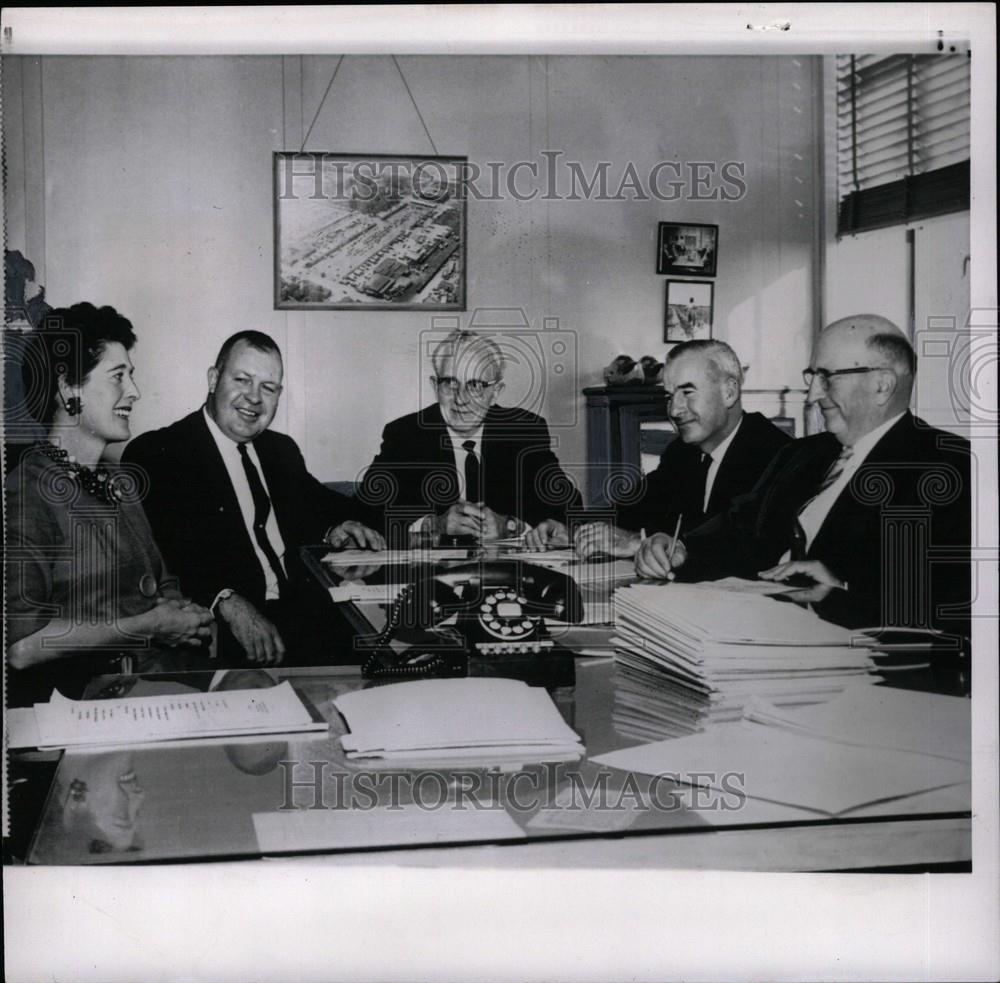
[825,375]
[449,385]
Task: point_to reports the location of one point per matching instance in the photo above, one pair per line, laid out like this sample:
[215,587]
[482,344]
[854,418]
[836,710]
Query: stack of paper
[704,651]
[456,720]
[140,719]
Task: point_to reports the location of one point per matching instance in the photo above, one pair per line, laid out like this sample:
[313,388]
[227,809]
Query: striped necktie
[831,477]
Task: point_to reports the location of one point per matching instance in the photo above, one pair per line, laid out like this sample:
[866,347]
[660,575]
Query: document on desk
[777,765]
[363,558]
[466,717]
[404,825]
[143,719]
[882,717]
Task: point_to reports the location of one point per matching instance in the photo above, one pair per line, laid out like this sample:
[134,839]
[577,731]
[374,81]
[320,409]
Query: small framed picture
[686,249]
[688,310]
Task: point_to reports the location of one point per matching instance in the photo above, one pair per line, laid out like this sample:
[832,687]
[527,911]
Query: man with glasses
[873,515]
[230,502]
[465,466]
[719,453]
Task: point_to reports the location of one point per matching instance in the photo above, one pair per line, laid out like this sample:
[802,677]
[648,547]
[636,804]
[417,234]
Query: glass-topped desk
[299,794]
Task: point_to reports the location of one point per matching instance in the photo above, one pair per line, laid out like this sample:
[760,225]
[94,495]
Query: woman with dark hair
[85,583]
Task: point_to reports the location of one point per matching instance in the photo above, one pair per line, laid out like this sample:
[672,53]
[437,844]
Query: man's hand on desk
[258,637]
[353,533]
[659,556]
[813,576]
[549,534]
[602,538]
[471,519]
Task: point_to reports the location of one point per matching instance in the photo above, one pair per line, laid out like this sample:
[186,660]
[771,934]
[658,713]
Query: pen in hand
[673,546]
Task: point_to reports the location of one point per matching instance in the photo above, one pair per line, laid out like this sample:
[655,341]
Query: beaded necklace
[97,482]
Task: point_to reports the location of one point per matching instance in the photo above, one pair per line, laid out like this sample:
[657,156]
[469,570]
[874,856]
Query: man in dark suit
[874,514]
[465,466]
[230,502]
[719,453]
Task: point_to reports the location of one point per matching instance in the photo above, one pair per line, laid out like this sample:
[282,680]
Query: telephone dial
[499,609]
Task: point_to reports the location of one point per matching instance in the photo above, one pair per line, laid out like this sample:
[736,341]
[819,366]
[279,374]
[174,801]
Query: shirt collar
[720,452]
[458,439]
[862,447]
[224,443]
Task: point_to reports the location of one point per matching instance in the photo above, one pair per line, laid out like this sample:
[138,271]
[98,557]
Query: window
[902,138]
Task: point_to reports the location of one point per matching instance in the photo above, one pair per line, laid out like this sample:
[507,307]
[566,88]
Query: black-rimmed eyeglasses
[449,385]
[825,375]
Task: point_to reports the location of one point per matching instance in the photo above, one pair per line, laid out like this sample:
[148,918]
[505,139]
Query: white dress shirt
[460,454]
[457,439]
[230,452]
[713,469]
[814,514]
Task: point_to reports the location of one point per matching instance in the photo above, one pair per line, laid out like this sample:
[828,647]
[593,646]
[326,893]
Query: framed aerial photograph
[684,249]
[688,311]
[359,232]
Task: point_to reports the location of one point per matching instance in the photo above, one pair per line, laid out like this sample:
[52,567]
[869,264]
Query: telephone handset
[499,606]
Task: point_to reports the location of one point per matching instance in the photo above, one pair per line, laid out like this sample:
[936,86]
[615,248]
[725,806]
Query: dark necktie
[472,472]
[261,511]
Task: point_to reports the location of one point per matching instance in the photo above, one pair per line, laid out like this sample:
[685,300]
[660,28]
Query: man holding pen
[875,513]
[719,454]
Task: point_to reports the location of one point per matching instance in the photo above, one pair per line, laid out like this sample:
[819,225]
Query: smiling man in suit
[230,501]
[719,453]
[875,513]
[465,466]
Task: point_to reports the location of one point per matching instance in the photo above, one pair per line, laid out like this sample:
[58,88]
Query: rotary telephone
[499,609]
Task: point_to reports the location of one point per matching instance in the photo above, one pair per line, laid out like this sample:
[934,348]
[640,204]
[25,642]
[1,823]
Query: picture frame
[369,232]
[687,249]
[688,310]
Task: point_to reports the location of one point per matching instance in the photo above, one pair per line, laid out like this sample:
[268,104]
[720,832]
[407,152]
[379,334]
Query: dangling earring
[73,406]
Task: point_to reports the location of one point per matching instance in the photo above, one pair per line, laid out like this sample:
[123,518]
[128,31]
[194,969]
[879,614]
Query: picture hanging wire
[329,86]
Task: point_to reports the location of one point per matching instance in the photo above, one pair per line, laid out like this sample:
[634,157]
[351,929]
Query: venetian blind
[902,138]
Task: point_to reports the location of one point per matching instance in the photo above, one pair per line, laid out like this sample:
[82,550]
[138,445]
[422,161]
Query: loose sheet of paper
[405,826]
[880,716]
[780,766]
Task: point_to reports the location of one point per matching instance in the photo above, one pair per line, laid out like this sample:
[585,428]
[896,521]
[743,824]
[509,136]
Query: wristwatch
[223,595]
[512,526]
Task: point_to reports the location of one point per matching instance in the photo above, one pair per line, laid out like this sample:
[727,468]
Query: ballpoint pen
[673,544]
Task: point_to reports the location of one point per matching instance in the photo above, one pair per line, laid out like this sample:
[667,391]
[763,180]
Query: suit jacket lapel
[886,451]
[216,484]
[214,476]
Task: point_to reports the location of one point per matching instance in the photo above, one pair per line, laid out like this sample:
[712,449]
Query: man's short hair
[895,349]
[721,357]
[255,339]
[453,345]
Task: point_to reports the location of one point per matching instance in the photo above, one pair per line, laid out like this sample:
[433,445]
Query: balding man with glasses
[465,466]
[873,515]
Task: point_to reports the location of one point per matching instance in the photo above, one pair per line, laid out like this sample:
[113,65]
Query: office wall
[146,183]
